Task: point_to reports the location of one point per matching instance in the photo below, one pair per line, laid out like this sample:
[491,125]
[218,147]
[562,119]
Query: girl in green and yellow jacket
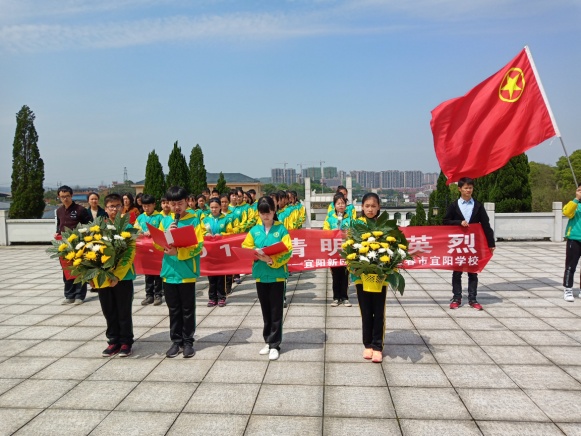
[270,273]
[371,304]
[180,269]
[339,220]
[116,297]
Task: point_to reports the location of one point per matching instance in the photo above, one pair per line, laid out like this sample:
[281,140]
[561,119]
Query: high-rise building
[430,178]
[413,179]
[315,172]
[283,175]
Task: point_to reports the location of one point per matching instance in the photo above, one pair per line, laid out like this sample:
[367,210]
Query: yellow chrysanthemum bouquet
[92,251]
[374,251]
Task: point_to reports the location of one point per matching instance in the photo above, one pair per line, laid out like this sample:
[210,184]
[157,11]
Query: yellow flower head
[72,237]
[374,246]
[77,262]
[70,255]
[95,229]
[63,247]
[352,256]
[384,244]
[365,235]
[125,235]
[88,238]
[91,255]
[105,258]
[363,250]
[365,243]
[102,248]
[390,239]
[347,243]
[377,233]
[97,237]
[79,254]
[403,247]
[384,259]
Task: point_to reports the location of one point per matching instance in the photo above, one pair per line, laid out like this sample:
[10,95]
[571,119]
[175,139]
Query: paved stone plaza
[512,369]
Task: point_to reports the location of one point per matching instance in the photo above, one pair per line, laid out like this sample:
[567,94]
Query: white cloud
[142,22]
[42,37]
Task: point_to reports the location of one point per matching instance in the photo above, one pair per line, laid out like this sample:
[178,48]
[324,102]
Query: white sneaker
[273,354]
[264,351]
[568,295]
[347,303]
[335,303]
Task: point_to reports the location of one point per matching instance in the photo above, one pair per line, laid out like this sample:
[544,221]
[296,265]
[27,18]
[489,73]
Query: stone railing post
[490,210]
[307,203]
[3,228]
[349,186]
[558,222]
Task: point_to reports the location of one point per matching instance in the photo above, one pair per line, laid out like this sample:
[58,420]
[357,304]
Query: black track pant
[372,306]
[572,256]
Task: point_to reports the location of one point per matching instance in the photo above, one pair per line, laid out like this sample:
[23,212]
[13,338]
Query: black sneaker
[148,300]
[111,350]
[173,351]
[157,300]
[188,351]
[285,304]
[125,350]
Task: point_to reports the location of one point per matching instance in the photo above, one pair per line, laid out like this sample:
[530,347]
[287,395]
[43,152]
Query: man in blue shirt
[464,212]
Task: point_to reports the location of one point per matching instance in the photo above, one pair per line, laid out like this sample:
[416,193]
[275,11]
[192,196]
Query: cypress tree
[27,169]
[221,184]
[419,219]
[178,174]
[154,178]
[198,170]
[442,198]
[512,191]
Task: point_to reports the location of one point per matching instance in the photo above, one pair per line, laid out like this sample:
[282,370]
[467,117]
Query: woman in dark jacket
[94,209]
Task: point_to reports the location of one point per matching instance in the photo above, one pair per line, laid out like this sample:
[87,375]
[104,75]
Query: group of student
[265,222]
[181,266]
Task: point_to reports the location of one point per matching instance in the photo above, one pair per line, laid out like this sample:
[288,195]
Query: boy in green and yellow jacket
[572,210]
[180,269]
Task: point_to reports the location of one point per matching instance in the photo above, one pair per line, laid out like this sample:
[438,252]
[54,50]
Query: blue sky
[258,83]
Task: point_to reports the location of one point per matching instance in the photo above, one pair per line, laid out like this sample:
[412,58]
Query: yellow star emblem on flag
[512,85]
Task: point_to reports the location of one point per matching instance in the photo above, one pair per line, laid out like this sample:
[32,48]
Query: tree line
[519,186]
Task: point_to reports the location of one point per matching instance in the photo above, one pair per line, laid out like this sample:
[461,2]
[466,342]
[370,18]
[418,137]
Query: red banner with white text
[434,247]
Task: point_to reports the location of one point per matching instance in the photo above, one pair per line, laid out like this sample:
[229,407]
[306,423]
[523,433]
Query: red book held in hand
[250,253]
[180,237]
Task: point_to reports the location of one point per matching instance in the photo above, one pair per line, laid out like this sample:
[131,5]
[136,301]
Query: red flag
[501,117]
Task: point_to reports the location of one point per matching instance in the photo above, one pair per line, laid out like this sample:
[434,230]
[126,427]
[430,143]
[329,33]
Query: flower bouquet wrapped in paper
[92,251]
[374,251]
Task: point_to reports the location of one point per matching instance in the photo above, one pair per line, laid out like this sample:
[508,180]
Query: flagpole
[532,62]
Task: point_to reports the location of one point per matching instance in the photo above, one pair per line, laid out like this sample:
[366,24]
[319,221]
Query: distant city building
[367,179]
[283,175]
[430,178]
[315,172]
[413,179]
[390,179]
